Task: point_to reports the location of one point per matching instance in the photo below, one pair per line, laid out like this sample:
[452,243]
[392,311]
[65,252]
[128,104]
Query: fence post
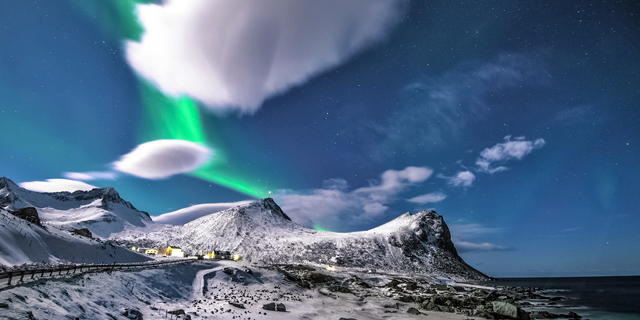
[21,276]
[10,274]
[33,273]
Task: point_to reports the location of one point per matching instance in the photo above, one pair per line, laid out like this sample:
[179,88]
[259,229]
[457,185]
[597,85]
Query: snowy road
[199,283]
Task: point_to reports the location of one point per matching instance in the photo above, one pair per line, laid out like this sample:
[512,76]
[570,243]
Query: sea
[595,298]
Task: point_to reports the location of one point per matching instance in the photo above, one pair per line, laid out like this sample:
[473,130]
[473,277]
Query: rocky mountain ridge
[262,233]
[101,210]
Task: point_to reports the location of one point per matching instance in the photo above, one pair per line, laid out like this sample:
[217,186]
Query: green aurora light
[166,117]
[179,118]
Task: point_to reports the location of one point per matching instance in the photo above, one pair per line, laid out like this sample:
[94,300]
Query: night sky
[518,121]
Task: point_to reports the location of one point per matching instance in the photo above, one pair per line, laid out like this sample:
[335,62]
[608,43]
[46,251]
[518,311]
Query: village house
[175,252]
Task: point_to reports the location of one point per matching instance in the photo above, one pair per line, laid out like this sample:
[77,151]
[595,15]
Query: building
[175,252]
[151,251]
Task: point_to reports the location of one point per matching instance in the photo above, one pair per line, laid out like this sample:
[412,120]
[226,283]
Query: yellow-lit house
[151,251]
[175,252]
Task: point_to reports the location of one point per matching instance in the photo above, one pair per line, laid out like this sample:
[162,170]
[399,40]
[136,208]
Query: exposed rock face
[29,213]
[83,232]
[260,232]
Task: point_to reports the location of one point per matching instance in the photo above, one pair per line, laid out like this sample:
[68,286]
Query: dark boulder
[413,311]
[237,305]
[133,314]
[505,309]
[29,214]
[83,232]
[281,307]
[271,306]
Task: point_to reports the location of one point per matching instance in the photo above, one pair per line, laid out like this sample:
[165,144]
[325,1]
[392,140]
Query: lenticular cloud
[56,185]
[161,159]
[235,54]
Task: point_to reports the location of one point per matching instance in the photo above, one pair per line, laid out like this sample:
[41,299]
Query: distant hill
[102,211]
[261,232]
[25,242]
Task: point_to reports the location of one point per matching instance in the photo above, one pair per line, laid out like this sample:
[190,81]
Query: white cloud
[56,185]
[93,175]
[235,54]
[462,179]
[163,158]
[334,205]
[394,181]
[429,198]
[502,152]
[184,215]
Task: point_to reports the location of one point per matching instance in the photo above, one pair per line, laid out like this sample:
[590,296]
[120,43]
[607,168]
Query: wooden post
[22,275]
[9,283]
[33,273]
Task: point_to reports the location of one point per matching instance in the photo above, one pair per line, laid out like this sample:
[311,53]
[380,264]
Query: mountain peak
[271,205]
[6,182]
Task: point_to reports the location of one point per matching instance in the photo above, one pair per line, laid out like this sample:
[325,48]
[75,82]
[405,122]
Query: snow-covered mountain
[24,242]
[102,210]
[261,232]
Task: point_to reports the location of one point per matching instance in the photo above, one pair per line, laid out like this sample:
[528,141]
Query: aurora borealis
[517,121]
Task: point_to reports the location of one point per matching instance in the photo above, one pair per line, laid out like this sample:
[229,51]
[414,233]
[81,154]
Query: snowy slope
[23,242]
[185,215]
[102,211]
[262,233]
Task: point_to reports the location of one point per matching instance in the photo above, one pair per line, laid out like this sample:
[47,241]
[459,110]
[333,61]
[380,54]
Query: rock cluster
[83,232]
[417,295]
[29,214]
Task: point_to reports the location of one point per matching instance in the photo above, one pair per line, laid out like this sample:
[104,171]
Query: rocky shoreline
[421,294]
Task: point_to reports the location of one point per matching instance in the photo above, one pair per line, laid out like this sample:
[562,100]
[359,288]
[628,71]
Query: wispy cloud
[433,110]
[462,179]
[429,198]
[334,206]
[235,54]
[465,246]
[491,159]
[92,175]
[467,237]
[56,185]
[161,159]
[579,115]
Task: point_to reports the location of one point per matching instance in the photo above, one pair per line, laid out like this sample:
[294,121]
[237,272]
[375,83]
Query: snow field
[202,289]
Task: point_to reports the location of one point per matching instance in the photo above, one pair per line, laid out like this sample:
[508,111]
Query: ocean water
[595,298]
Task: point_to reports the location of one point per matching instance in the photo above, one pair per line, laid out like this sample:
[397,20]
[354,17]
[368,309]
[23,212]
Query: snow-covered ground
[23,242]
[203,289]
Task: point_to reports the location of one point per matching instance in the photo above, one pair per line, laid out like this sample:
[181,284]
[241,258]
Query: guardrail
[20,276]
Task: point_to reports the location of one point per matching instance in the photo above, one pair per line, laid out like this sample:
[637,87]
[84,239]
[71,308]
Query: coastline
[594,298]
